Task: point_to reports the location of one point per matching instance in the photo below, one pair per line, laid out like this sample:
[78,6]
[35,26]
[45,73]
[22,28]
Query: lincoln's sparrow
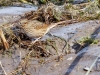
[35,29]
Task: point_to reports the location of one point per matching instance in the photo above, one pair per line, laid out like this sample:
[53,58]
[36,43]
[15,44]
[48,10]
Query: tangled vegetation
[50,13]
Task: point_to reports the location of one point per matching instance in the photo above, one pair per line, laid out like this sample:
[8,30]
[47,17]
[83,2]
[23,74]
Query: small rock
[70,58]
[86,68]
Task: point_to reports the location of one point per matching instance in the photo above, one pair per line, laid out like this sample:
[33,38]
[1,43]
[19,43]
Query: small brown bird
[36,29]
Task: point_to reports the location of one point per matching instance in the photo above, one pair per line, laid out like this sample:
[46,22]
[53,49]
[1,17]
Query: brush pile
[48,14]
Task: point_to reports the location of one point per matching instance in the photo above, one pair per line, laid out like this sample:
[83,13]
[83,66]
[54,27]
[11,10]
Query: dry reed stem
[5,43]
[3,68]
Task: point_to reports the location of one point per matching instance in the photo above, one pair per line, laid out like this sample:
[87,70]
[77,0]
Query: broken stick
[5,43]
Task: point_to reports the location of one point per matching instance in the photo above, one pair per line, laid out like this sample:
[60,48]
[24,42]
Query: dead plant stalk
[5,43]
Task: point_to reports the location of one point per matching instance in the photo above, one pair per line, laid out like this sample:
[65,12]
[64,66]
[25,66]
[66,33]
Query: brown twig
[5,43]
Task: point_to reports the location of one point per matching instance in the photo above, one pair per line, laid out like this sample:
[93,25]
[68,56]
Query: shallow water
[11,14]
[16,10]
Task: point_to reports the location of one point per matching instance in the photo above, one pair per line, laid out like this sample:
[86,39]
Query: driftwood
[5,43]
